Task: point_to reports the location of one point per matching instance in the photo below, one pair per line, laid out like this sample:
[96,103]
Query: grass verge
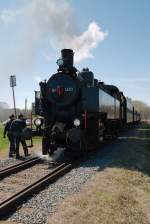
[3,141]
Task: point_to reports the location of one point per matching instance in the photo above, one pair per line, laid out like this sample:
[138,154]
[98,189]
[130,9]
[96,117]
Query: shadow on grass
[129,151]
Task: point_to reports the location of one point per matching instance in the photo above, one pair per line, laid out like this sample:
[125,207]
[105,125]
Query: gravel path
[37,209]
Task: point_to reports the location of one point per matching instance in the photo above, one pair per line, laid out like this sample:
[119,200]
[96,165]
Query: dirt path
[119,192]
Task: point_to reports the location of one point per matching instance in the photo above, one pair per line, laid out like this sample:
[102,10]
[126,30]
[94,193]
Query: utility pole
[26,107]
[12,85]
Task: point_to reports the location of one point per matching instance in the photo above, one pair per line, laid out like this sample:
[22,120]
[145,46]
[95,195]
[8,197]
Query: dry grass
[115,195]
[119,194]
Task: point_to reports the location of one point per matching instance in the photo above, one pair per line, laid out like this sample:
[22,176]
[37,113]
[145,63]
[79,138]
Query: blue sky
[120,55]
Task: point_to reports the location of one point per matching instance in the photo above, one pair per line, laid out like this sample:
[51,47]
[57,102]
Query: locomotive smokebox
[67,56]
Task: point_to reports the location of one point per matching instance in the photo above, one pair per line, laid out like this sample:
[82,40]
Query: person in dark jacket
[7,130]
[17,128]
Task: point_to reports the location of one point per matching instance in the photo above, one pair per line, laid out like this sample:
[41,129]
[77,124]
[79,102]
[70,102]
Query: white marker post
[12,85]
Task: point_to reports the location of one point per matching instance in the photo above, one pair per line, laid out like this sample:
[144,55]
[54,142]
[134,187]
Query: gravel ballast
[37,209]
[7,162]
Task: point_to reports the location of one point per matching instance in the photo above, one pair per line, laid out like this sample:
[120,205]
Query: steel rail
[18,167]
[10,204]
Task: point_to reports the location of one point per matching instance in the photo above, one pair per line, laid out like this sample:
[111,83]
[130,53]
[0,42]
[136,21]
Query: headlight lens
[38,122]
[76,122]
[28,122]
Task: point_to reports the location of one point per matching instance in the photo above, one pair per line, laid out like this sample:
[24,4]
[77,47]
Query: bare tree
[143,108]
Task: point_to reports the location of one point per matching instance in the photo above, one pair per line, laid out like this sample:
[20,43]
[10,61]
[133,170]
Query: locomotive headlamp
[60,62]
[28,122]
[37,122]
[76,122]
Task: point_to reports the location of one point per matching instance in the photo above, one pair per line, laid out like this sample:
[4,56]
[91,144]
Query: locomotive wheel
[83,144]
[45,145]
[52,149]
[81,147]
[101,138]
[77,150]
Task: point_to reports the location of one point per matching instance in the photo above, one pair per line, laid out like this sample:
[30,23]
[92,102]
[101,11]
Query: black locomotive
[78,111]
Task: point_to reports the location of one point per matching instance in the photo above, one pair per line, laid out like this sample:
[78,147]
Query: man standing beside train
[17,128]
[7,130]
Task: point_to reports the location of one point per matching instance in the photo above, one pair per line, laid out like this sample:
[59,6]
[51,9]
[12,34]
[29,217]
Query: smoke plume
[32,30]
[50,21]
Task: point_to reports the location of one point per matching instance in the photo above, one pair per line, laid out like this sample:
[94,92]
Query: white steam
[33,30]
[84,43]
[50,21]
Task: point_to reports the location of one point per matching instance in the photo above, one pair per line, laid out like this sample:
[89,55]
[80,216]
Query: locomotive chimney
[67,56]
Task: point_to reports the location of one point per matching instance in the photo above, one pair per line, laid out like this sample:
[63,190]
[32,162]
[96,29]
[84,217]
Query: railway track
[18,167]
[10,204]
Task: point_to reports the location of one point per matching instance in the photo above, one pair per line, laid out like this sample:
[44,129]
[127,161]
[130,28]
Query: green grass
[37,139]
[147,146]
[146,127]
[3,141]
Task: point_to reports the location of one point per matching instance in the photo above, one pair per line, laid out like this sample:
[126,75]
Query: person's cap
[11,116]
[20,116]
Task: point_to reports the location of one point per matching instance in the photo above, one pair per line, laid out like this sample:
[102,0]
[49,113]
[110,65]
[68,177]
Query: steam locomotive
[78,111]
